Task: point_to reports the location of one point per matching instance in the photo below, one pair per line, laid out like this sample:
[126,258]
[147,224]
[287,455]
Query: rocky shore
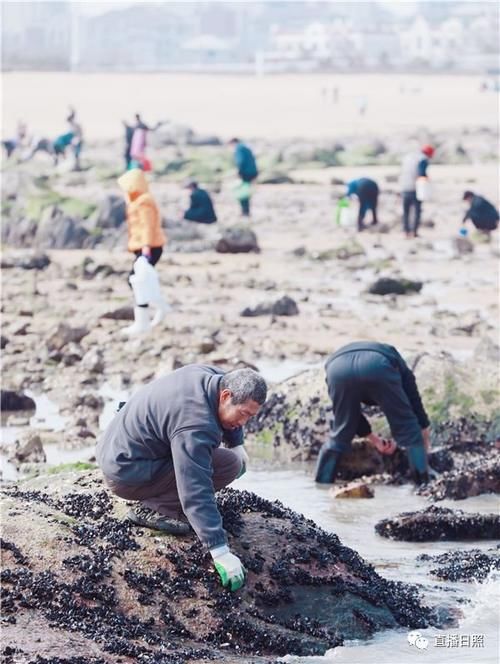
[278,294]
[78,573]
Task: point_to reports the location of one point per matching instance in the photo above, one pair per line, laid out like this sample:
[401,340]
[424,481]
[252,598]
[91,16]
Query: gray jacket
[414,166]
[172,424]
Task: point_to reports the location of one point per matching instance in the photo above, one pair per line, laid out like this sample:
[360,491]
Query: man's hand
[426,435]
[229,567]
[381,444]
[146,252]
[242,455]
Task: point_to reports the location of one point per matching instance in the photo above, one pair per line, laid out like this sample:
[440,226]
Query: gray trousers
[161,493]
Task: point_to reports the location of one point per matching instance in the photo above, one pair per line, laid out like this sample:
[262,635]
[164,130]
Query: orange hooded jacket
[143,215]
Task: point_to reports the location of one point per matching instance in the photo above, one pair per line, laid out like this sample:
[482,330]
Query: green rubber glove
[229,567]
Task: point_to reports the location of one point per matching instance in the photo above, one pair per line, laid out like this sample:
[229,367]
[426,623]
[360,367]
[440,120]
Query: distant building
[207,50]
[250,36]
[450,44]
[377,48]
[137,38]
[36,35]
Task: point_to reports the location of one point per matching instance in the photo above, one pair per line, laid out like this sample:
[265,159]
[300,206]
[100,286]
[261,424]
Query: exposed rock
[57,230]
[169,133]
[71,354]
[362,459]
[79,570]
[90,270]
[390,285]
[29,451]
[487,351]
[462,245]
[343,252]
[469,565]
[93,361]
[122,313]
[207,345]
[473,479]
[89,400]
[266,284]
[36,261]
[285,306]
[353,490]
[110,213]
[200,140]
[21,330]
[275,177]
[439,523]
[11,400]
[3,341]
[65,335]
[452,389]
[237,240]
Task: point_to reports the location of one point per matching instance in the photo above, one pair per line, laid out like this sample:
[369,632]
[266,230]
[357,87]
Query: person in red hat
[414,166]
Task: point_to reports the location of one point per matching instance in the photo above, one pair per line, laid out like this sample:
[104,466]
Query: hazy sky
[397,6]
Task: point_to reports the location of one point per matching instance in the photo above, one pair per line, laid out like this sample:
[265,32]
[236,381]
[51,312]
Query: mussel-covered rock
[440,523]
[76,568]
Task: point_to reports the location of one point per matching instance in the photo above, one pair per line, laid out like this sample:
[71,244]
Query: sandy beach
[273,107]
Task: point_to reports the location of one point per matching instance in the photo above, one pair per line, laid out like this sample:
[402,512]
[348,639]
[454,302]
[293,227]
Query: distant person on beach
[136,151]
[77,140]
[59,146]
[483,214]
[367,192]
[367,372]
[247,170]
[362,104]
[73,138]
[129,132]
[18,141]
[145,238]
[201,208]
[415,165]
[163,451]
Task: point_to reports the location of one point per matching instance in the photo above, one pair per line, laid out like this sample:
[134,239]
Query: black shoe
[420,478]
[143,516]
[326,468]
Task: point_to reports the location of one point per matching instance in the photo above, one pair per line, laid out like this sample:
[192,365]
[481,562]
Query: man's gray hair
[245,384]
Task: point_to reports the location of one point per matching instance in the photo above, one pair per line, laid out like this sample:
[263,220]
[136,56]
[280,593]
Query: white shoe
[162,309]
[141,324]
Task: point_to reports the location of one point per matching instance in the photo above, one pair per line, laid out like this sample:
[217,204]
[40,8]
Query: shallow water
[353,521]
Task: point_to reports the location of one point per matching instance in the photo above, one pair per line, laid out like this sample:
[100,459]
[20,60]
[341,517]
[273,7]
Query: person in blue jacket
[481,212]
[247,169]
[367,372]
[201,208]
[367,192]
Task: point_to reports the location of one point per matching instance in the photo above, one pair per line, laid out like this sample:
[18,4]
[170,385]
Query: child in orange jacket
[145,239]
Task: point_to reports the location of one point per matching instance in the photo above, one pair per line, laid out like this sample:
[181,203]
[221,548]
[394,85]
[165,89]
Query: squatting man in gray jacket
[163,450]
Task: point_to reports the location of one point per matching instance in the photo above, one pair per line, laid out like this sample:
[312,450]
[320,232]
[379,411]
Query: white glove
[229,567]
[242,455]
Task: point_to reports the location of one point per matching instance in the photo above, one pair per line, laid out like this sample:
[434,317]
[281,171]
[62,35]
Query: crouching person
[162,449]
[374,374]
